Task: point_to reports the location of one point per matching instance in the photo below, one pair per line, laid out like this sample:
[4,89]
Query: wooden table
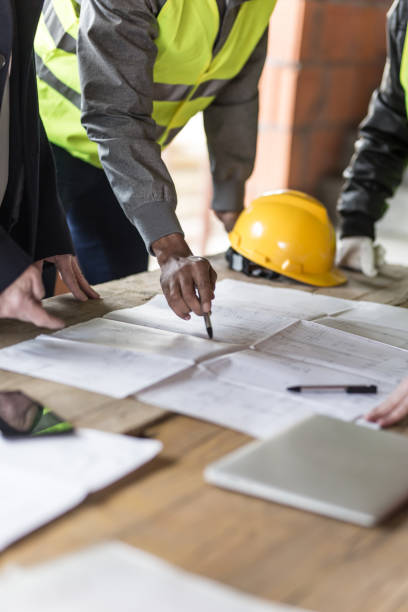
[165,508]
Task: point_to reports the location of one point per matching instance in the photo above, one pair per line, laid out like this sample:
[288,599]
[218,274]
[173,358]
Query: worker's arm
[54,242]
[116,57]
[231,126]
[381,152]
[52,233]
[13,260]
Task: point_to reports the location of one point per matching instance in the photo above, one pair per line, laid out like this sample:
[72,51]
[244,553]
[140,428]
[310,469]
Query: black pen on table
[345,388]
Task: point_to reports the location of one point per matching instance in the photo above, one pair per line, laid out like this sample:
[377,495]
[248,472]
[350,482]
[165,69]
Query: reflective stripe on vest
[404,71]
[187,76]
[189,30]
[58,83]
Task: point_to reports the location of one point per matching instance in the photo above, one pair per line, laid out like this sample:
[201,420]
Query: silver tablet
[322,465]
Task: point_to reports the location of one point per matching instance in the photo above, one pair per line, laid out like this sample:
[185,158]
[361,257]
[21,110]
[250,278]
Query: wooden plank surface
[262,548]
[166,508]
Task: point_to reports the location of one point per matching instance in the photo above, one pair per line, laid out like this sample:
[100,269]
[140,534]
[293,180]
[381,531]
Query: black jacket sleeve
[381,152]
[53,235]
[32,221]
[13,260]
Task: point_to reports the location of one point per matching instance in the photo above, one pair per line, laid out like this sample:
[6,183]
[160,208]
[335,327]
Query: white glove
[360,253]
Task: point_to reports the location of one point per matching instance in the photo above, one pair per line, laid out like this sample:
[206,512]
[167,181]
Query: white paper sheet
[120,335]
[92,367]
[233,322]
[246,390]
[30,500]
[381,314]
[289,302]
[249,369]
[374,331]
[313,343]
[205,395]
[89,458]
[42,478]
[113,576]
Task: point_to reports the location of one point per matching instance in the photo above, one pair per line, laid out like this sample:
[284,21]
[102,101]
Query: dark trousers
[108,246]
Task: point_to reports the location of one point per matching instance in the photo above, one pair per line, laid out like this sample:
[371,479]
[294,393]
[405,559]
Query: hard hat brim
[327,279]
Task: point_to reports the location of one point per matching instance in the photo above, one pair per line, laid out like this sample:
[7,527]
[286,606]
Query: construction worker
[381,155]
[146,67]
[33,229]
[374,173]
[107,245]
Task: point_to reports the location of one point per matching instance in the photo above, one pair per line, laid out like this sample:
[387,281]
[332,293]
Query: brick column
[325,58]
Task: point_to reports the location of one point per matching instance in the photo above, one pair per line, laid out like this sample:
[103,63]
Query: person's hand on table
[393,409]
[188,282]
[22,300]
[228,218]
[70,272]
[360,253]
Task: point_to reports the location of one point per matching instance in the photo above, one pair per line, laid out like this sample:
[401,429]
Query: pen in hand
[208,325]
[207,322]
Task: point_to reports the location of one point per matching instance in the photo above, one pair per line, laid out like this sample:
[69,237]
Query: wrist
[169,247]
[228,195]
[228,218]
[356,224]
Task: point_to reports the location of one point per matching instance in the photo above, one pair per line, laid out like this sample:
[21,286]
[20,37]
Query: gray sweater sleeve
[231,126]
[116,53]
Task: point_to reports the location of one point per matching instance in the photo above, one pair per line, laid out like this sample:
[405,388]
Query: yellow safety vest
[187,76]
[404,70]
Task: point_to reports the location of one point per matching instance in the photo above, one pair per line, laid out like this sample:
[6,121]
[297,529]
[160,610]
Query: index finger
[82,282]
[389,403]
[68,275]
[204,279]
[395,415]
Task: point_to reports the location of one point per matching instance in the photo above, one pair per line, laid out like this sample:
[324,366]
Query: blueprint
[265,339]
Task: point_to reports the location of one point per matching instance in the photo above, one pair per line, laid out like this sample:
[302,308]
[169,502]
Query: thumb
[37,286]
[379,252]
[367,255]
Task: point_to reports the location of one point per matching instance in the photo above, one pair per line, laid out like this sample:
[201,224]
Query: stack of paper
[42,478]
[114,576]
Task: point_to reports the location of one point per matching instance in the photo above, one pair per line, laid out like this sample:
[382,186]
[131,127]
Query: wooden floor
[165,508]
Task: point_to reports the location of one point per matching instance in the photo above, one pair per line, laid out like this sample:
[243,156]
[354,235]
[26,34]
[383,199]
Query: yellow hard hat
[290,233]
